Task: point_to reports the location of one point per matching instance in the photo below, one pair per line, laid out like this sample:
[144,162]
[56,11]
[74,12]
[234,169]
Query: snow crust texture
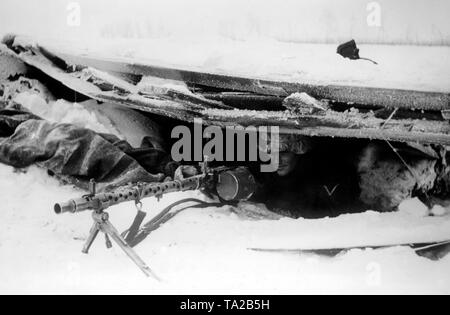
[200,251]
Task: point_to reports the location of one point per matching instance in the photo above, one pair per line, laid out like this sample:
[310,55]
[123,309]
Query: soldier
[311,181]
[391,175]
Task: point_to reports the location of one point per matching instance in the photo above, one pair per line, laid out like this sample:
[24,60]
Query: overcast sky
[409,21]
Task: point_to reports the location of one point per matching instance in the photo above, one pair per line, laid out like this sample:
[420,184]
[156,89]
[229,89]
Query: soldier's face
[288,162]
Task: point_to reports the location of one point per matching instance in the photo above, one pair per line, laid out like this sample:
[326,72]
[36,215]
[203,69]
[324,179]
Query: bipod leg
[102,222]
[92,236]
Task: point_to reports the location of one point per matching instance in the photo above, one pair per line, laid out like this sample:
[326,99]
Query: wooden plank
[246,100]
[340,125]
[363,96]
[351,124]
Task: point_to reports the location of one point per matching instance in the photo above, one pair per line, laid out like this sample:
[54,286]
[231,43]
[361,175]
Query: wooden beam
[351,124]
[363,96]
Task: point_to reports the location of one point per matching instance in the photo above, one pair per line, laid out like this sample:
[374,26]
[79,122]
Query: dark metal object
[236,185]
[100,202]
[164,216]
[244,185]
[125,194]
[102,224]
[351,51]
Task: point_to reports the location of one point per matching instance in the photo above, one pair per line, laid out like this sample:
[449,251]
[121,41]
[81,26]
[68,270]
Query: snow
[64,112]
[153,85]
[439,211]
[414,207]
[421,68]
[9,66]
[108,118]
[97,75]
[199,251]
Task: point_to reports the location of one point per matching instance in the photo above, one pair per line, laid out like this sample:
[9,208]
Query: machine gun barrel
[238,184]
[103,201]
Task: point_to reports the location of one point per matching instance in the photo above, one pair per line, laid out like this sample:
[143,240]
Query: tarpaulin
[78,153]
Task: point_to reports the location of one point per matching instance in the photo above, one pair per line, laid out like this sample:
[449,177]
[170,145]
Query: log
[350,124]
[363,96]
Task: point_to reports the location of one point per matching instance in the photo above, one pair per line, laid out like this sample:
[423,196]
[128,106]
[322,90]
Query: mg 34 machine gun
[228,184]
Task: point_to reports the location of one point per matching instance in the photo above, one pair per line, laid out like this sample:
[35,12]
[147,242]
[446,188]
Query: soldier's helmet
[294,143]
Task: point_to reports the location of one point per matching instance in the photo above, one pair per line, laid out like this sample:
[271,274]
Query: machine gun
[227,184]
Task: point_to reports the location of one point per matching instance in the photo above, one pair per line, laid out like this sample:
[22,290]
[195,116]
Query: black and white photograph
[227,151]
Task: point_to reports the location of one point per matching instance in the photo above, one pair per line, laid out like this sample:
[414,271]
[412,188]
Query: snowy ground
[200,251]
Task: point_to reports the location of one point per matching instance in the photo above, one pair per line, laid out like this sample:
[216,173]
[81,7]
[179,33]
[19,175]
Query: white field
[202,251]
[411,22]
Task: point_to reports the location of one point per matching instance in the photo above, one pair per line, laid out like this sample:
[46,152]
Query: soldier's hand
[185,171]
